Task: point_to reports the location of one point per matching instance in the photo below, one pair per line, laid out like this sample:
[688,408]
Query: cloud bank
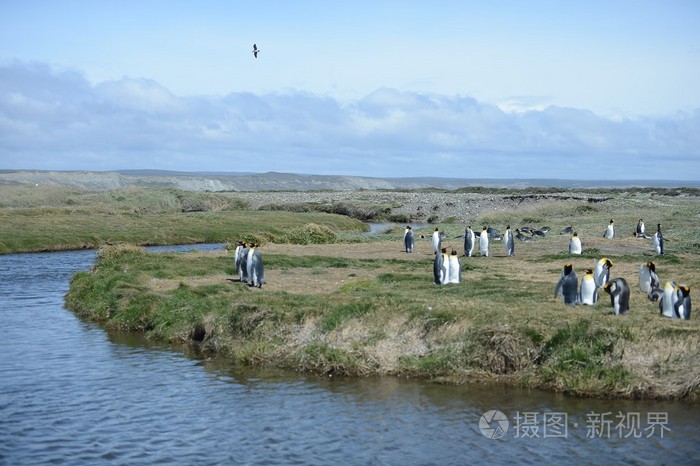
[57,120]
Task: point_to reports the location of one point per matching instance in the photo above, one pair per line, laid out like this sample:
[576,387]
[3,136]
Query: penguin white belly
[436,241]
[575,246]
[484,244]
[589,291]
[454,270]
[668,299]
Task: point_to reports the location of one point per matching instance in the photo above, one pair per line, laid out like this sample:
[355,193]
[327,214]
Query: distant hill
[272,181]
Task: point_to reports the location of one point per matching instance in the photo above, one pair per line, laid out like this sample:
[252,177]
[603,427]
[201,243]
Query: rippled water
[71,393]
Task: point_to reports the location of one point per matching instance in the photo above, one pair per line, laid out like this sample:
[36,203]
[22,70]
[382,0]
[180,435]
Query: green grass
[61,219]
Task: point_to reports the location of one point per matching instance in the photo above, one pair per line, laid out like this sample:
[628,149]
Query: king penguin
[567,285]
[484,243]
[438,266]
[249,264]
[257,278]
[658,240]
[588,293]
[667,301]
[509,242]
[610,231]
[648,279]
[237,258]
[469,242]
[454,269]
[243,265]
[619,293]
[409,240]
[640,228]
[437,242]
[682,306]
[575,244]
[601,274]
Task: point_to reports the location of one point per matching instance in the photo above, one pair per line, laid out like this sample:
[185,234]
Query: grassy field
[55,218]
[354,305]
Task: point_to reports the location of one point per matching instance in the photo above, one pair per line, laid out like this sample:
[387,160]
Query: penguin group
[446,268]
[673,299]
[249,264]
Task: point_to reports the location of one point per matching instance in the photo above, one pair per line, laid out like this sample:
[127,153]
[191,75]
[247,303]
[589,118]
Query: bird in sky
[255,50]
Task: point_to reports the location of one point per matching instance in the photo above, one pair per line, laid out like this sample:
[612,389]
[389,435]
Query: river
[72,393]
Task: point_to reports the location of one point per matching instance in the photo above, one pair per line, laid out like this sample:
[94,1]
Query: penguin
[658,240]
[610,231]
[682,305]
[655,294]
[237,258]
[544,230]
[243,265]
[444,266]
[454,269]
[602,271]
[575,244]
[469,242]
[640,228]
[567,285]
[527,229]
[508,242]
[409,240]
[648,279]
[519,235]
[567,231]
[437,241]
[249,264]
[484,243]
[494,233]
[619,293]
[257,269]
[668,296]
[588,293]
[437,268]
[441,267]
[539,232]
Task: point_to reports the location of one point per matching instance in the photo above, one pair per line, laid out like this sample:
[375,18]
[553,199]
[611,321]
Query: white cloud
[55,119]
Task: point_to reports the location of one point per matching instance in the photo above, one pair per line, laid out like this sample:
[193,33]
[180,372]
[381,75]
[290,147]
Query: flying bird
[255,50]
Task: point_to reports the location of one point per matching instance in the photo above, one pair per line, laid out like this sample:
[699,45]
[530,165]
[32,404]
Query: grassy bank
[366,307]
[56,218]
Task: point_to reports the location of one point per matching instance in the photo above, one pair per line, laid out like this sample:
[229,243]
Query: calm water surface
[71,393]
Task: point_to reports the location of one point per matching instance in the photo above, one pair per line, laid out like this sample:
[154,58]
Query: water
[71,393]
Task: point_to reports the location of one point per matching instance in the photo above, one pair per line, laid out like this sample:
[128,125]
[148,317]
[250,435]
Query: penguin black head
[651,266]
[567,269]
[507,227]
[575,234]
[612,221]
[588,271]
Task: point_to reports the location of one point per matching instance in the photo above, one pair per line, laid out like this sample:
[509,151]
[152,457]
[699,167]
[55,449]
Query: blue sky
[472,89]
